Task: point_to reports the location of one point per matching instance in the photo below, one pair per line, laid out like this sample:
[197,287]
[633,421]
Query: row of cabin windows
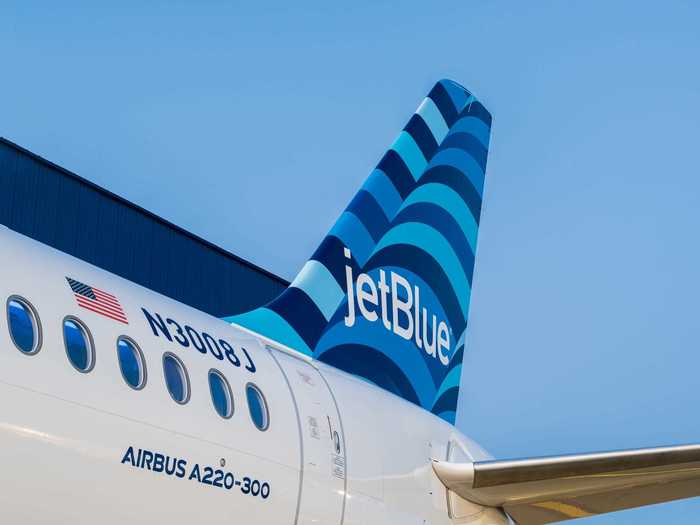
[25,331]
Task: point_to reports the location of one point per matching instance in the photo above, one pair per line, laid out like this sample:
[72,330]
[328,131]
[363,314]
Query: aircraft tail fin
[386,294]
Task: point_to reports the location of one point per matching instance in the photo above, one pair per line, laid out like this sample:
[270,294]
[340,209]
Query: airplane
[334,404]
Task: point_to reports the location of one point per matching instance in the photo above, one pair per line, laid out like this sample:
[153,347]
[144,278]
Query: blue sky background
[253,125]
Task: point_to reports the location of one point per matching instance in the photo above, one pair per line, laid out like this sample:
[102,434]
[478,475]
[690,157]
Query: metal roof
[45,201]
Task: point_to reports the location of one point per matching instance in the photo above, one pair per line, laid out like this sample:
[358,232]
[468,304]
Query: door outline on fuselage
[305,362]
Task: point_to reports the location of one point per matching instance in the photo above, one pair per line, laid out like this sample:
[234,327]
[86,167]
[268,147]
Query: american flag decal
[97,301]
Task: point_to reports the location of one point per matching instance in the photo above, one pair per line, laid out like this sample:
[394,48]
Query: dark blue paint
[420,132]
[369,213]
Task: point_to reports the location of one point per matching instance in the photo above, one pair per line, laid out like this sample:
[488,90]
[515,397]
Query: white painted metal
[323,482]
[64,434]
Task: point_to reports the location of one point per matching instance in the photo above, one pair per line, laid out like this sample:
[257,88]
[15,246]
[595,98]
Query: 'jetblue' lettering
[400,310]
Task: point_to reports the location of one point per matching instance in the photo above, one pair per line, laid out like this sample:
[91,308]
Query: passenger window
[176,378]
[220,394]
[23,323]
[257,407]
[131,362]
[79,345]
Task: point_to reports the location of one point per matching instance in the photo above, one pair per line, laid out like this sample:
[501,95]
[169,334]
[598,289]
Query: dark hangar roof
[48,203]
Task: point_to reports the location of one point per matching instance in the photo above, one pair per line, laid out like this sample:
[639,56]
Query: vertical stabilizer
[386,294]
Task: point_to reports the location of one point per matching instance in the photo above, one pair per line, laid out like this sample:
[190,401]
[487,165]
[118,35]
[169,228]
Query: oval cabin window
[257,406]
[131,363]
[79,347]
[24,325]
[176,379]
[220,394]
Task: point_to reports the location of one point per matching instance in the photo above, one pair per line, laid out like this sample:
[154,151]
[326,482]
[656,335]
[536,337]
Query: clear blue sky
[254,126]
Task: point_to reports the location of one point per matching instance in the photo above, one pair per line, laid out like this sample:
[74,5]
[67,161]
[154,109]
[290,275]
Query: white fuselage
[87,448]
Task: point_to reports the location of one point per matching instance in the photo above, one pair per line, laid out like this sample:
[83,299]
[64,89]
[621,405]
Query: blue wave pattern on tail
[386,294]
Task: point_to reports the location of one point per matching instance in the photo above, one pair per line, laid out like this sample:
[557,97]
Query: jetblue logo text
[408,319]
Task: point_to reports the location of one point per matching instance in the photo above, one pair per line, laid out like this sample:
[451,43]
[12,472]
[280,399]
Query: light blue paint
[270,324]
[411,154]
[431,115]
[384,192]
[461,338]
[318,283]
[354,235]
[463,161]
[451,379]
[433,243]
[449,200]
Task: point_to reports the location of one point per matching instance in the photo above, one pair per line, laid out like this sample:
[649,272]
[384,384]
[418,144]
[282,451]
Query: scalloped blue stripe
[452,379]
[464,162]
[412,363]
[379,185]
[449,200]
[271,325]
[433,243]
[431,115]
[448,415]
[474,126]
[459,95]
[321,287]
[410,153]
[350,230]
